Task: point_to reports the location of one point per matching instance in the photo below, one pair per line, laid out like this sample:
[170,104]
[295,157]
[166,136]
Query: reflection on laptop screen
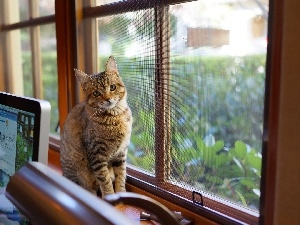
[24,133]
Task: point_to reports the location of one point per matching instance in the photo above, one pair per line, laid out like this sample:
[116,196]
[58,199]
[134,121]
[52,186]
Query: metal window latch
[197,198]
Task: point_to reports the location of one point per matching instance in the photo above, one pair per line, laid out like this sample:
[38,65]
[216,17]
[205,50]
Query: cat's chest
[110,127]
[111,132]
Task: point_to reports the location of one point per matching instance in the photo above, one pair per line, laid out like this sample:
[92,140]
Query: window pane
[209,58]
[49,71]
[46,7]
[217,80]
[27,63]
[131,41]
[24,10]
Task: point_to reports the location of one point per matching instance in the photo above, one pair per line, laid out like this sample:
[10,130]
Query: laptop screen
[24,133]
[16,138]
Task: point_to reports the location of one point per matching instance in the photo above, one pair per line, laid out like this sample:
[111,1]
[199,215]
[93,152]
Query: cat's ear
[81,76]
[111,65]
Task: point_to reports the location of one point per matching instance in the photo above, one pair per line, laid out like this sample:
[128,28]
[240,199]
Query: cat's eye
[112,87]
[96,93]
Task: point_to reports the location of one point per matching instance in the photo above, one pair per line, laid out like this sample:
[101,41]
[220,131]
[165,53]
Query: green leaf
[241,198]
[247,182]
[254,160]
[207,156]
[200,144]
[238,163]
[214,179]
[240,149]
[221,160]
[219,145]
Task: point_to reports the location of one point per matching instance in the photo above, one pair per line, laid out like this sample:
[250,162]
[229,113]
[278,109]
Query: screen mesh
[195,75]
[130,38]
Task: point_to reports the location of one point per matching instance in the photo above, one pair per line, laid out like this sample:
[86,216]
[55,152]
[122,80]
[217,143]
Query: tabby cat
[96,133]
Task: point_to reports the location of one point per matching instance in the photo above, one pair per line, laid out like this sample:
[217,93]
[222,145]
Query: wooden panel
[87,43]
[53,160]
[273,74]
[66,56]
[36,60]
[11,49]
[287,197]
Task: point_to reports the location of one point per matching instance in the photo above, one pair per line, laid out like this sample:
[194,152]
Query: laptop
[24,137]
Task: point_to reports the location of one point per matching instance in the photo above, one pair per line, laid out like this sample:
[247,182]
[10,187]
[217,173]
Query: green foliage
[224,95]
[141,151]
[216,121]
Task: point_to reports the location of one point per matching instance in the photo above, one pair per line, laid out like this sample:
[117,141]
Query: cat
[96,133]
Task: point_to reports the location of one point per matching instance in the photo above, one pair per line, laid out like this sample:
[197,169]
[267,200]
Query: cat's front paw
[107,193]
[120,189]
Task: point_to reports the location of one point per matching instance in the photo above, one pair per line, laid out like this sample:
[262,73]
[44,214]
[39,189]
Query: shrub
[216,119]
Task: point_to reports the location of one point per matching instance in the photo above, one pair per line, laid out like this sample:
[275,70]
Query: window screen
[195,75]
[130,38]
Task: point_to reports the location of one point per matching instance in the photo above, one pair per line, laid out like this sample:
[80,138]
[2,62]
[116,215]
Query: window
[195,73]
[79,25]
[29,46]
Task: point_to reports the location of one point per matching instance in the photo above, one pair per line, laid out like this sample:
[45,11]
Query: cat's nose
[106,98]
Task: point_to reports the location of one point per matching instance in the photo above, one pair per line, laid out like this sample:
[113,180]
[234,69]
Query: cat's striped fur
[96,133]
